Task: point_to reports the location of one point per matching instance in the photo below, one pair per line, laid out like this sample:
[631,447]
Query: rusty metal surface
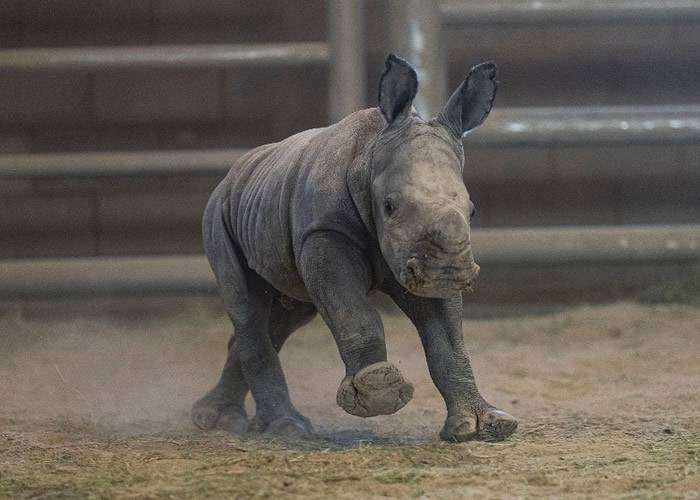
[191,274]
[165,56]
[549,12]
[348,71]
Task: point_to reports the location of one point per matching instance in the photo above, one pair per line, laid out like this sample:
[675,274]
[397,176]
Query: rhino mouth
[437,280]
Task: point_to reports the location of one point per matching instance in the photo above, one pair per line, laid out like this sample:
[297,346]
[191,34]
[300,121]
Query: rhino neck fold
[359,181]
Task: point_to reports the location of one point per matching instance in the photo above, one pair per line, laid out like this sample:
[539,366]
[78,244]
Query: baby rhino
[316,222]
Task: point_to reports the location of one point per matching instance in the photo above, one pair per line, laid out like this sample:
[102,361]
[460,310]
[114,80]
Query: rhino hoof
[287,427]
[205,417]
[290,428]
[496,425]
[233,420]
[377,389]
[484,425]
[212,412]
[460,428]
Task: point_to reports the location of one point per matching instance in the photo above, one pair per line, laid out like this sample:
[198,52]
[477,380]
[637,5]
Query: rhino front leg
[338,278]
[439,324]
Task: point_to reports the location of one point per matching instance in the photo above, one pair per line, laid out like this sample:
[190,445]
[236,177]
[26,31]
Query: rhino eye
[389,207]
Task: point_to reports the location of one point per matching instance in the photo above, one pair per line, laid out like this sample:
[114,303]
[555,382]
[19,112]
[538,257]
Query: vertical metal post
[348,71]
[415,35]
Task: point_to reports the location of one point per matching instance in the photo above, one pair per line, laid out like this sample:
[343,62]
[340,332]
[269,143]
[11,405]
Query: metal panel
[511,127]
[165,56]
[548,12]
[415,35]
[348,71]
[625,245]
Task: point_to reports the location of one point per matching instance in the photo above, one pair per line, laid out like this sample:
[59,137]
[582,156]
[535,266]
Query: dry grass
[95,407]
[572,456]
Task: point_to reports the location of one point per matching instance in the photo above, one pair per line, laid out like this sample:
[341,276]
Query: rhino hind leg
[286,317]
[262,322]
[223,407]
[274,412]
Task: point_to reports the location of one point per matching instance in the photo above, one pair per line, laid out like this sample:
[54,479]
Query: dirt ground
[96,405]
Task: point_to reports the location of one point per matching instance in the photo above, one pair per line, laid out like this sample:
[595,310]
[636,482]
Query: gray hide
[317,221]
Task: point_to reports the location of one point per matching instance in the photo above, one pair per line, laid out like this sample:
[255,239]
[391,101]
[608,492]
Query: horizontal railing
[591,125]
[144,163]
[588,244]
[165,56]
[191,274]
[512,127]
[106,275]
[549,12]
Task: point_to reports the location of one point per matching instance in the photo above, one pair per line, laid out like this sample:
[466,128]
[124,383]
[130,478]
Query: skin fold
[315,222]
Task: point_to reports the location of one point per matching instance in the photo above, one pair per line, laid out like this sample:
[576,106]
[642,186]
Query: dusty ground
[607,397]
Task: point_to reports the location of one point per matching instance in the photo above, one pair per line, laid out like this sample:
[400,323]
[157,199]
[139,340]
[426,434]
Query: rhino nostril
[412,275]
[412,267]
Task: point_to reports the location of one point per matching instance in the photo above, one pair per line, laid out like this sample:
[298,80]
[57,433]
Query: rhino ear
[397,89]
[471,103]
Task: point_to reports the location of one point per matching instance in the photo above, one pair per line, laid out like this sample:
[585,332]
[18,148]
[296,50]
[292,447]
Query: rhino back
[279,193]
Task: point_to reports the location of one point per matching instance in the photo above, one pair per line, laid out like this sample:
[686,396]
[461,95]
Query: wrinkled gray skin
[320,219]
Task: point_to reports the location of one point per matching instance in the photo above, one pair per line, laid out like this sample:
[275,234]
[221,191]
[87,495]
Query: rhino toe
[215,411]
[205,417]
[496,425]
[292,426]
[460,428]
[233,420]
[289,428]
[488,424]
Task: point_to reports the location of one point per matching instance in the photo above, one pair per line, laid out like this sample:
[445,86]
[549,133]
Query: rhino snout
[426,278]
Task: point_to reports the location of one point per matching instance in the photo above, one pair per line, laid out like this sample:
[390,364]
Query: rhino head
[420,205]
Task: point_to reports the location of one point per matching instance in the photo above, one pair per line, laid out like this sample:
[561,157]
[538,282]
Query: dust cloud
[124,367]
[137,368]
[109,371]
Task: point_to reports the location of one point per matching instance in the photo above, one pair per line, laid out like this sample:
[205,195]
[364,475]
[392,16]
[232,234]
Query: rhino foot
[233,420]
[211,412]
[488,424]
[377,389]
[293,426]
[205,417]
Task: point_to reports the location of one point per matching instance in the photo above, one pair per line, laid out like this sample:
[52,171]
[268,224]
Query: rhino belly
[269,253]
[283,276]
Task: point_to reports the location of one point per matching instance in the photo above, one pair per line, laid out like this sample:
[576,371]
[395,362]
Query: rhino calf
[317,221]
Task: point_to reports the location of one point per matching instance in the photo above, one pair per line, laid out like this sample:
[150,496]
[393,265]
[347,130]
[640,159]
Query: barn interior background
[117,119]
